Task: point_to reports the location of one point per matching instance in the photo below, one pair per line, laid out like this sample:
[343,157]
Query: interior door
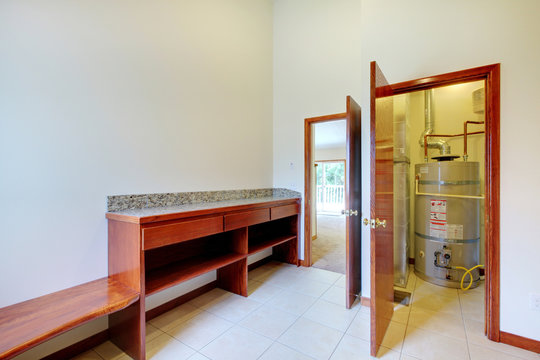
[382,200]
[353,202]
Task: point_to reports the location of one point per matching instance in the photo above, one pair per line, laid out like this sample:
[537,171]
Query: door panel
[353,201]
[382,238]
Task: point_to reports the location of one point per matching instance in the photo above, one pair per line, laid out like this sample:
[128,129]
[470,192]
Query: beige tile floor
[299,313]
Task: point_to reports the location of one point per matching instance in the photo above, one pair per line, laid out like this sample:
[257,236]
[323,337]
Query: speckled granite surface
[158,204]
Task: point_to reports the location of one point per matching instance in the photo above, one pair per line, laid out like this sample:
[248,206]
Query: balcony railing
[330,198]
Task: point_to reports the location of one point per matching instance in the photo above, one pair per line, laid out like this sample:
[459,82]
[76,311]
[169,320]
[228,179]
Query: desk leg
[127,330]
[286,252]
[234,277]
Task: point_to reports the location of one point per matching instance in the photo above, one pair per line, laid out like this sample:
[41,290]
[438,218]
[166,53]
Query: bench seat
[34,321]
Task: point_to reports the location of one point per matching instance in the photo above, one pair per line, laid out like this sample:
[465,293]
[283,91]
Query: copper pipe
[448,136]
[465,124]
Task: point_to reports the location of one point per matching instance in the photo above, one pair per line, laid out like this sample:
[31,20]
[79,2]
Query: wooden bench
[29,323]
[151,254]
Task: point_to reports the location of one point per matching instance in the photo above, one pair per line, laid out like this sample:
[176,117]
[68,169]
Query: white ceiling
[330,134]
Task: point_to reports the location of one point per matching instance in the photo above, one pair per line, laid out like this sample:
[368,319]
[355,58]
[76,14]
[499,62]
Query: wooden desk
[150,252]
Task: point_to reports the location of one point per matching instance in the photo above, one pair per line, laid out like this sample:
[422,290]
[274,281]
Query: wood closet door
[353,199]
[382,201]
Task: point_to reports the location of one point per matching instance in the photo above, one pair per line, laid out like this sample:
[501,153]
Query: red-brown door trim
[491,75]
[307,178]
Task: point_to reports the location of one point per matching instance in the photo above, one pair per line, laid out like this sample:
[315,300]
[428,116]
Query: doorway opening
[439,187]
[352,194]
[328,247]
[325,182]
[444,213]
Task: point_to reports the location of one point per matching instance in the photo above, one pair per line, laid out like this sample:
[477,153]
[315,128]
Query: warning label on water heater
[438,227]
[455,231]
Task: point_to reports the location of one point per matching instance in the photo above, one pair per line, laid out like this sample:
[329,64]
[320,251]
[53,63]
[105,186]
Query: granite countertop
[151,205]
[163,210]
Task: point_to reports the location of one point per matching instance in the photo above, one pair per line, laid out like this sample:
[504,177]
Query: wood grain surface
[31,322]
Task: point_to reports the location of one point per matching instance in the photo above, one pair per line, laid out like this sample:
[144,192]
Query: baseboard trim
[365,301]
[303,263]
[519,341]
[79,347]
[261,262]
[169,305]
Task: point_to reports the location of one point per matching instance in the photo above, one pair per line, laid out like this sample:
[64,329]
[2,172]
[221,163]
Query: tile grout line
[347,329]
[300,316]
[284,331]
[261,303]
[98,354]
[464,326]
[183,343]
[237,323]
[345,332]
[409,315]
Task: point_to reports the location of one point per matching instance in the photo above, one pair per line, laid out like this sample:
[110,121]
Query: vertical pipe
[465,156]
[429,124]
[465,124]
[425,148]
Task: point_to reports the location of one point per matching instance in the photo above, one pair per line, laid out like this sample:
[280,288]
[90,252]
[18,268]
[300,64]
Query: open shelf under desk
[172,274]
[258,244]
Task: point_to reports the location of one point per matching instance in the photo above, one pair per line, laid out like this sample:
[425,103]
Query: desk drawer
[164,235]
[238,220]
[279,212]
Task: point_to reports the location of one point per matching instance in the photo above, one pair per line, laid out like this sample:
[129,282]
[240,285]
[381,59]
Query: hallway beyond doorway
[328,249]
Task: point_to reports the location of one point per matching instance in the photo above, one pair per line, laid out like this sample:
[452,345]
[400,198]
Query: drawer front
[279,212]
[163,235]
[238,220]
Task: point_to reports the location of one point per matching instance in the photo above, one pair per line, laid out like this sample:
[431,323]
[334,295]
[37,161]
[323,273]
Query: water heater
[447,221]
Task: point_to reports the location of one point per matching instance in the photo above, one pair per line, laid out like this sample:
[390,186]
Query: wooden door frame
[491,75]
[308,158]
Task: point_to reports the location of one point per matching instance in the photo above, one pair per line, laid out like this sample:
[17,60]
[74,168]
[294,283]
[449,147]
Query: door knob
[374,223]
[380,223]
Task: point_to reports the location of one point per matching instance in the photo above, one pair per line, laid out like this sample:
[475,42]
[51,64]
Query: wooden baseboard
[519,341]
[169,305]
[261,262]
[79,347]
[365,301]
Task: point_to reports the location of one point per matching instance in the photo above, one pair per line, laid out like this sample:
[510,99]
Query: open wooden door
[382,199]
[353,202]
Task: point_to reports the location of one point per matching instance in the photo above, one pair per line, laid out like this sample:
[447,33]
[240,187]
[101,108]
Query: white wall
[417,38]
[100,98]
[316,65]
